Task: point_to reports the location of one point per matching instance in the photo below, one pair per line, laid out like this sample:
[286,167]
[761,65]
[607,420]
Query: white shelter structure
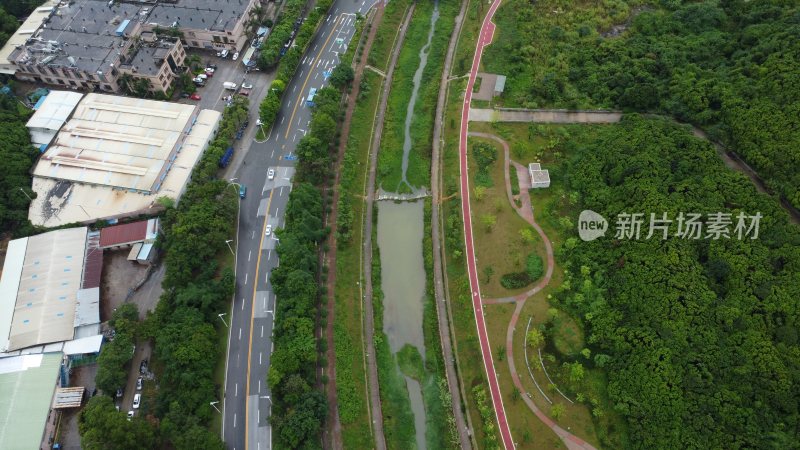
[539,178]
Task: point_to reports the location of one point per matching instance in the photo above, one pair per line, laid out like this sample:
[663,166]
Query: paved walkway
[485,38]
[446,337]
[369,314]
[542,115]
[526,212]
[332,437]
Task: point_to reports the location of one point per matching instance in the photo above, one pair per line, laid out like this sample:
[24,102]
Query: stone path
[542,115]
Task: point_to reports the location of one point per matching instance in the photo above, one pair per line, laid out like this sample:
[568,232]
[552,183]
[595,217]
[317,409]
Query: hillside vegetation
[730,66]
[699,337]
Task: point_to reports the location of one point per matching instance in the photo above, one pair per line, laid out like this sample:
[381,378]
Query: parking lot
[213,93]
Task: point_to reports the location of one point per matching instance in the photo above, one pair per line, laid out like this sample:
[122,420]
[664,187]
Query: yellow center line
[252,320]
[303,89]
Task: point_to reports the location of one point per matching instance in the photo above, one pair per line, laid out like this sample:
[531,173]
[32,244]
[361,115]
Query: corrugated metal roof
[70,397]
[123,234]
[54,110]
[93,263]
[87,307]
[27,384]
[89,344]
[9,285]
[51,277]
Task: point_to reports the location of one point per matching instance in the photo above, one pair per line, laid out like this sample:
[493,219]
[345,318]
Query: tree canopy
[731,67]
[698,337]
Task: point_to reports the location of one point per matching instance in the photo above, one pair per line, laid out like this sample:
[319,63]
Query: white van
[136,400]
[229,85]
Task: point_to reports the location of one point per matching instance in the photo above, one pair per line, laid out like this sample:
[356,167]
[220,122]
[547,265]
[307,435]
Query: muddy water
[400,230]
[423,61]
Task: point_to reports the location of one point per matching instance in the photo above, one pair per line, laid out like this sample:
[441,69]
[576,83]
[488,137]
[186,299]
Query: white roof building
[539,178]
[54,111]
[115,156]
[44,296]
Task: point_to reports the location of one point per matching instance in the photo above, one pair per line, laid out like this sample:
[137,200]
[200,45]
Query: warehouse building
[50,293]
[27,393]
[115,156]
[52,112]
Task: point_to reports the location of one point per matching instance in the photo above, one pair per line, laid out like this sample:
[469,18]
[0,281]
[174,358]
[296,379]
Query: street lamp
[229,246]
[223,320]
[214,405]
[26,194]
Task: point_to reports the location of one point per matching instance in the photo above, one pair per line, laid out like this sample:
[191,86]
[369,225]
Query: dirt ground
[119,276]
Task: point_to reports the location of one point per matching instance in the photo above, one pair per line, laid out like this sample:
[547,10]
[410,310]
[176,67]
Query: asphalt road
[247,404]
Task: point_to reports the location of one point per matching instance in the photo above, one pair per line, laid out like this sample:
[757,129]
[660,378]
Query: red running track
[485,38]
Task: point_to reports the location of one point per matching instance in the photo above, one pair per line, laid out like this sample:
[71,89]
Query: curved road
[485,38]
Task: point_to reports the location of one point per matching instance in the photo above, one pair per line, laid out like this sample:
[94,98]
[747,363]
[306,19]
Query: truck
[226,158]
[229,85]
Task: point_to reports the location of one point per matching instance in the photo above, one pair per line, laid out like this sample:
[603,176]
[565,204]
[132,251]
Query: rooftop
[61,202]
[27,384]
[115,141]
[128,233]
[81,34]
[23,33]
[213,15]
[54,110]
[148,60]
[48,284]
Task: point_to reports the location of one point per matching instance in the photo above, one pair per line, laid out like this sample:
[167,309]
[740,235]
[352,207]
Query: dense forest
[18,156]
[699,337]
[16,151]
[729,66]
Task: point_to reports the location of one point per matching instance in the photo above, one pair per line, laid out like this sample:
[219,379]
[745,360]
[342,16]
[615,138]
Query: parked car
[139,382]
[184,95]
[268,231]
[211,66]
[224,53]
[202,76]
[117,407]
[225,159]
[137,400]
[236,56]
[131,413]
[247,86]
[271,174]
[209,73]
[119,393]
[195,97]
[143,366]
[199,82]
[242,191]
[244,92]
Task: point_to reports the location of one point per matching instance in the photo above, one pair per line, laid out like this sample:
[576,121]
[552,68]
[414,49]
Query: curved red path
[487,30]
